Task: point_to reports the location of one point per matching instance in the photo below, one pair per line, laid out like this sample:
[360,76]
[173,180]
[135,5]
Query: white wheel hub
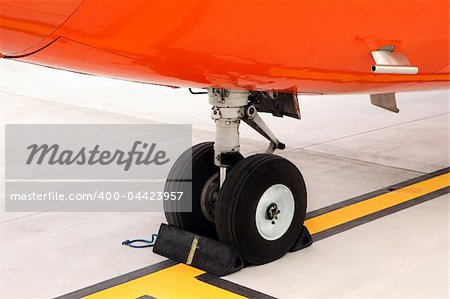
[275,212]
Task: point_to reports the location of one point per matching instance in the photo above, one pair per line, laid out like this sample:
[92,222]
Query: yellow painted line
[178,281]
[372,205]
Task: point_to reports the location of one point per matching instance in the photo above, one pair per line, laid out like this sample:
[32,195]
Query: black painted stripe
[369,195]
[107,284]
[391,210]
[232,287]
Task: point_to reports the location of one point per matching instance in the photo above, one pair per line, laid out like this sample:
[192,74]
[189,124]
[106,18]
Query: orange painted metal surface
[311,46]
[27,25]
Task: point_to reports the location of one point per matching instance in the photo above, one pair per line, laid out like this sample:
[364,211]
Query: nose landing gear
[257,204]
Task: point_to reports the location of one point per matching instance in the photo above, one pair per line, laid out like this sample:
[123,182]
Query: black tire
[238,200]
[202,168]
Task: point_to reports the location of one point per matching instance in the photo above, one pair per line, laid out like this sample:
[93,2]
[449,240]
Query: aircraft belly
[320,46]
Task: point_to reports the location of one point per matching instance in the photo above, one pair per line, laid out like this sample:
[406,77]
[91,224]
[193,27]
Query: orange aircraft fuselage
[303,46]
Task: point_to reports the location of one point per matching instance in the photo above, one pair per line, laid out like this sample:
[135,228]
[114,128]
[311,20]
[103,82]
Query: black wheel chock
[207,254]
[213,256]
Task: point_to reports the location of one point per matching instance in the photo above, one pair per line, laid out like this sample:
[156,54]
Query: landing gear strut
[257,204]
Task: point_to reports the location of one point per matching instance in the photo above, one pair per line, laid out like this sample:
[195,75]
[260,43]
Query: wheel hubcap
[209,197]
[274,212]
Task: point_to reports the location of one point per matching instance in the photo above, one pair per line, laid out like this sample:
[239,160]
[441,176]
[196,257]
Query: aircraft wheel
[262,207]
[205,189]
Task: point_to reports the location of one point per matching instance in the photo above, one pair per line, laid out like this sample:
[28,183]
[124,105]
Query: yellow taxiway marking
[178,281]
[376,204]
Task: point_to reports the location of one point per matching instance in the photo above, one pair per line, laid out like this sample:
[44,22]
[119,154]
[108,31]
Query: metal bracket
[389,62]
[255,121]
[278,103]
[385,100]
